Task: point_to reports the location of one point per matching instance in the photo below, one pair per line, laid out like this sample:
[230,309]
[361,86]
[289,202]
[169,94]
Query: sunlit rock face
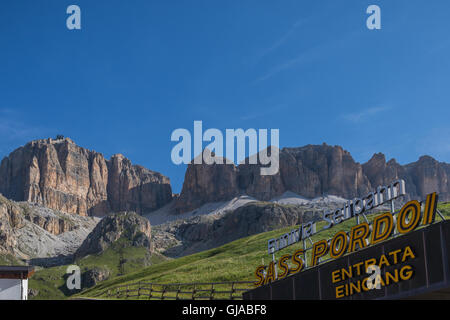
[60,175]
[312,171]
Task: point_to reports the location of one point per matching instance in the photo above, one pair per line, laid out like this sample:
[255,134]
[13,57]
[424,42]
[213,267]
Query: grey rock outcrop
[131,227]
[38,234]
[93,276]
[210,231]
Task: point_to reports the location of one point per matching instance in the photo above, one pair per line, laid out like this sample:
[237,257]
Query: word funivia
[360,236]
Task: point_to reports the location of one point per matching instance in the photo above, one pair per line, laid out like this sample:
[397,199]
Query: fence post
[193,293]
[163,292]
[211,297]
[232,291]
[139,290]
[151,290]
[178,291]
[127,291]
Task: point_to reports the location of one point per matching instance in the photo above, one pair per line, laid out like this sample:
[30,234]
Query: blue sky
[137,70]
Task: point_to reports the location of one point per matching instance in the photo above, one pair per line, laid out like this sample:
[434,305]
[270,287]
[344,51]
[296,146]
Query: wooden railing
[180,291]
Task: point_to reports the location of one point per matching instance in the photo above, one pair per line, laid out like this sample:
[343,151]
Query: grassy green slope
[51,282]
[10,260]
[231,262]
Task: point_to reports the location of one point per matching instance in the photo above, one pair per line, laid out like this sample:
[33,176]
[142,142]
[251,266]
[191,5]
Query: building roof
[16,272]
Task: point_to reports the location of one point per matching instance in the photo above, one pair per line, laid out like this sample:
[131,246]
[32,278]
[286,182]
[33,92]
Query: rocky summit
[134,229]
[311,171]
[58,174]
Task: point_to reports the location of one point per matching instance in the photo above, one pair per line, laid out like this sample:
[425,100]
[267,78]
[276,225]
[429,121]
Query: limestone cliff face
[422,177]
[135,188]
[429,175]
[207,183]
[60,175]
[133,229]
[312,171]
[10,218]
[379,172]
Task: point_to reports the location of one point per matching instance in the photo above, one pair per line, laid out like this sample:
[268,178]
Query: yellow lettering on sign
[408,253]
[283,268]
[405,224]
[406,272]
[395,255]
[358,235]
[335,276]
[297,260]
[385,220]
[340,291]
[390,277]
[383,262]
[387,278]
[430,208]
[270,276]
[259,273]
[319,249]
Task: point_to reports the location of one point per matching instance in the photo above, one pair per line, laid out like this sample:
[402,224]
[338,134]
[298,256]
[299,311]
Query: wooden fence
[180,291]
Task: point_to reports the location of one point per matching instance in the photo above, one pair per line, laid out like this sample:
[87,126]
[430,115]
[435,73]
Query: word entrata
[352,208]
[359,237]
[392,258]
[268,157]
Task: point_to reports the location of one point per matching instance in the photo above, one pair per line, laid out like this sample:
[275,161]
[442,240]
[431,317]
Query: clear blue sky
[140,69]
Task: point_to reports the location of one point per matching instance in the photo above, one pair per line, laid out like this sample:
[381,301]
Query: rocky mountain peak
[378,158]
[133,229]
[312,171]
[427,160]
[207,183]
[59,174]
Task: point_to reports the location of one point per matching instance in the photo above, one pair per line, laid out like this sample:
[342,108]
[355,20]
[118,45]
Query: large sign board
[380,269]
[413,264]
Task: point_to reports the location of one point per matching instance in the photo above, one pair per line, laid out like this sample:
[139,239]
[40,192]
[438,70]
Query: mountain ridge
[60,175]
[312,171]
